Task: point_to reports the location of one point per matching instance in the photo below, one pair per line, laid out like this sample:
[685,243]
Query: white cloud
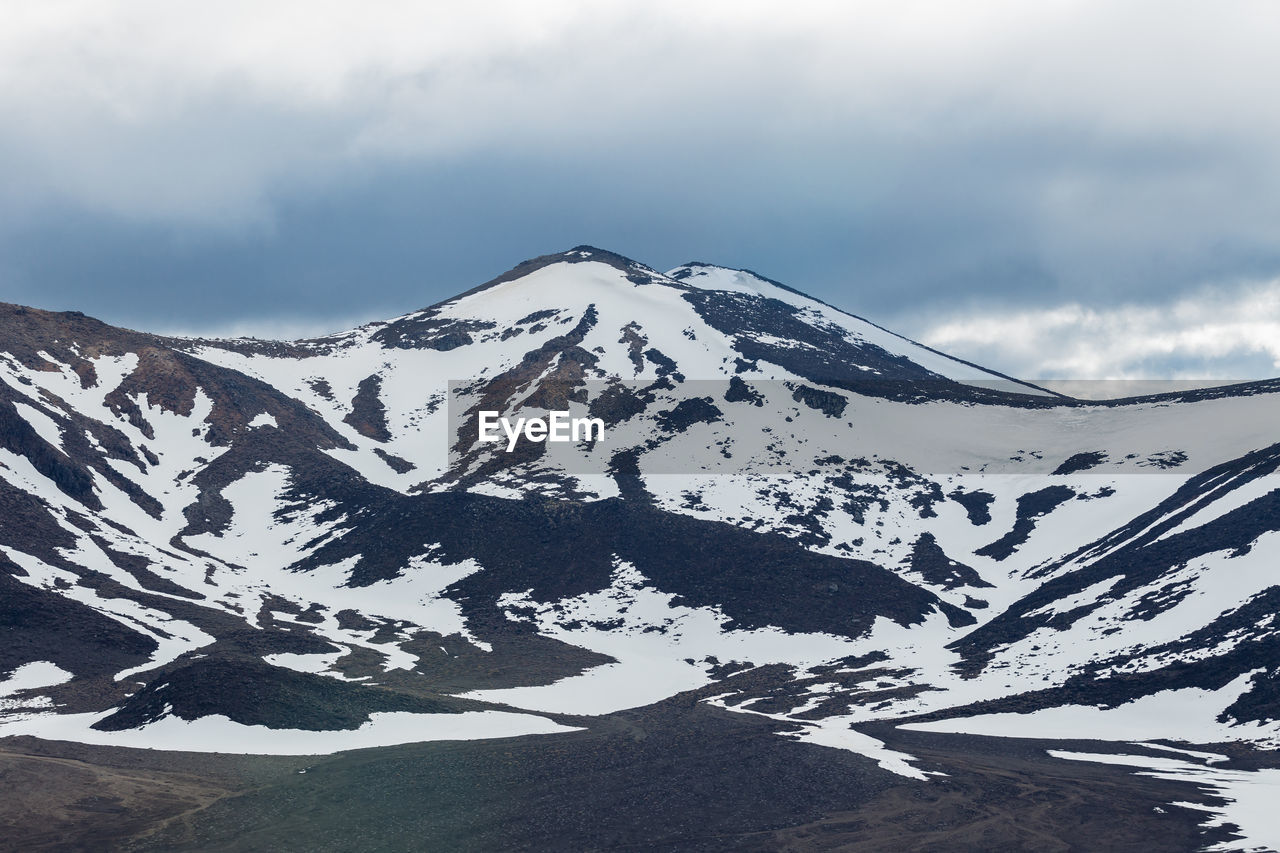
[1216,333]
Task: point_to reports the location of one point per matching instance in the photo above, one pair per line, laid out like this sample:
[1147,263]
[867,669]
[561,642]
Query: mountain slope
[793,512]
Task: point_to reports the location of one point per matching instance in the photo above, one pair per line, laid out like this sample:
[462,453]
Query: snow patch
[1250,796]
[216,733]
[34,675]
[1166,715]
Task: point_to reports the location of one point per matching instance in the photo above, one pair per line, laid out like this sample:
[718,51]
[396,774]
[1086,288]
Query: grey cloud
[906,165]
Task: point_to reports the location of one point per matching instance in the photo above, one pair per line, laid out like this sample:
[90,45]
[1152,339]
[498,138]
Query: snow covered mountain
[302,547]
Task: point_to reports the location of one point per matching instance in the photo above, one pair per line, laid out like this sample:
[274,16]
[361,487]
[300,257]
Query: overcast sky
[1052,188]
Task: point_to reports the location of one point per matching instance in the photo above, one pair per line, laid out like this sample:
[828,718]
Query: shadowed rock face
[793,511]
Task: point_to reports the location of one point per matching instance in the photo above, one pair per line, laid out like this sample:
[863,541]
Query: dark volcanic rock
[255,693]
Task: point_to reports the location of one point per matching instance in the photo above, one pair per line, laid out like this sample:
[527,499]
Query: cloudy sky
[1072,189]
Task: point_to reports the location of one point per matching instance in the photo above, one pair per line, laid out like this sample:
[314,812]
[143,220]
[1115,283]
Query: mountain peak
[635,271]
[579,254]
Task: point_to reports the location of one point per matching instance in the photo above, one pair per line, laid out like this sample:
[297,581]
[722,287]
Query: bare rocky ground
[674,776]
